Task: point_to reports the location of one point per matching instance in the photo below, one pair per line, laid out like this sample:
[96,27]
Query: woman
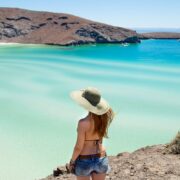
[89,159]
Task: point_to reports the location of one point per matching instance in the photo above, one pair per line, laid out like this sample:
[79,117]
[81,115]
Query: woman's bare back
[90,146]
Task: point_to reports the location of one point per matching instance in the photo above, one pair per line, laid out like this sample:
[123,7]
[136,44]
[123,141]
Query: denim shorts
[84,167]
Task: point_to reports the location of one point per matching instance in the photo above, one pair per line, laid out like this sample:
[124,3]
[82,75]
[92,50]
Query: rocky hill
[25,26]
[158,162]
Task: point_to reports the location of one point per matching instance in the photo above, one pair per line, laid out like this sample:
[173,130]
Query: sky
[124,13]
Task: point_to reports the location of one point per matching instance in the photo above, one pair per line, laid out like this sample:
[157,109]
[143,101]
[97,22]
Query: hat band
[93,100]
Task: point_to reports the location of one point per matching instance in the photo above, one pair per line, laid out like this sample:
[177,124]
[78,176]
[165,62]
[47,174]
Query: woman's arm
[81,129]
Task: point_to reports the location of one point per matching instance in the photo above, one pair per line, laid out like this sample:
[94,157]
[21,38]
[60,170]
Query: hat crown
[92,95]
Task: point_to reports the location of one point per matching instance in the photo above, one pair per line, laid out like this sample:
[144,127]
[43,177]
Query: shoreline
[83,45]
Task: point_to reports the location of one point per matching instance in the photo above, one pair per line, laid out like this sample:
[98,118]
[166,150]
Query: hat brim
[101,108]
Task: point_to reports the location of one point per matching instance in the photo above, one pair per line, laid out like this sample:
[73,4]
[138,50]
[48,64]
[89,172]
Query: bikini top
[97,143]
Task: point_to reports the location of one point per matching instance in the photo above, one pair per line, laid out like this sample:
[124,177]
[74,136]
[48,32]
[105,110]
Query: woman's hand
[71,166]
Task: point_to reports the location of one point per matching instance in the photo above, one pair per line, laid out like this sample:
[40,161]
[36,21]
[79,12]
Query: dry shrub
[174,146]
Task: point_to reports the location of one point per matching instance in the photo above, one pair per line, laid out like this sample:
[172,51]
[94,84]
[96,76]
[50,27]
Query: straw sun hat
[90,98]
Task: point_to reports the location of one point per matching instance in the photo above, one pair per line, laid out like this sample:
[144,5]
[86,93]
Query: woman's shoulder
[84,122]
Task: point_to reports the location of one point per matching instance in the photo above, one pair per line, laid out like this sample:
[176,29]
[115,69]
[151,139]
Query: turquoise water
[38,119]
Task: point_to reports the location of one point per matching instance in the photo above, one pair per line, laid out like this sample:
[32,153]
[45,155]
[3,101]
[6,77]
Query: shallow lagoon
[38,119]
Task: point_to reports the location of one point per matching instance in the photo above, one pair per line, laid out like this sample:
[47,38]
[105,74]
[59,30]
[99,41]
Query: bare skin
[93,177]
[82,147]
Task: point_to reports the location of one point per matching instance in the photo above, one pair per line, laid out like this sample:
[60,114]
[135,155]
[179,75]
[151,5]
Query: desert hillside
[26,26]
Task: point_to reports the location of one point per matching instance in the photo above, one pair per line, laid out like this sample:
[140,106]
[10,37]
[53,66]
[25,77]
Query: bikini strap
[91,139]
[97,143]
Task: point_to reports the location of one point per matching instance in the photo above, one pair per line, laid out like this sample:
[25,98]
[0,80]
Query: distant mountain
[26,26]
[160,35]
